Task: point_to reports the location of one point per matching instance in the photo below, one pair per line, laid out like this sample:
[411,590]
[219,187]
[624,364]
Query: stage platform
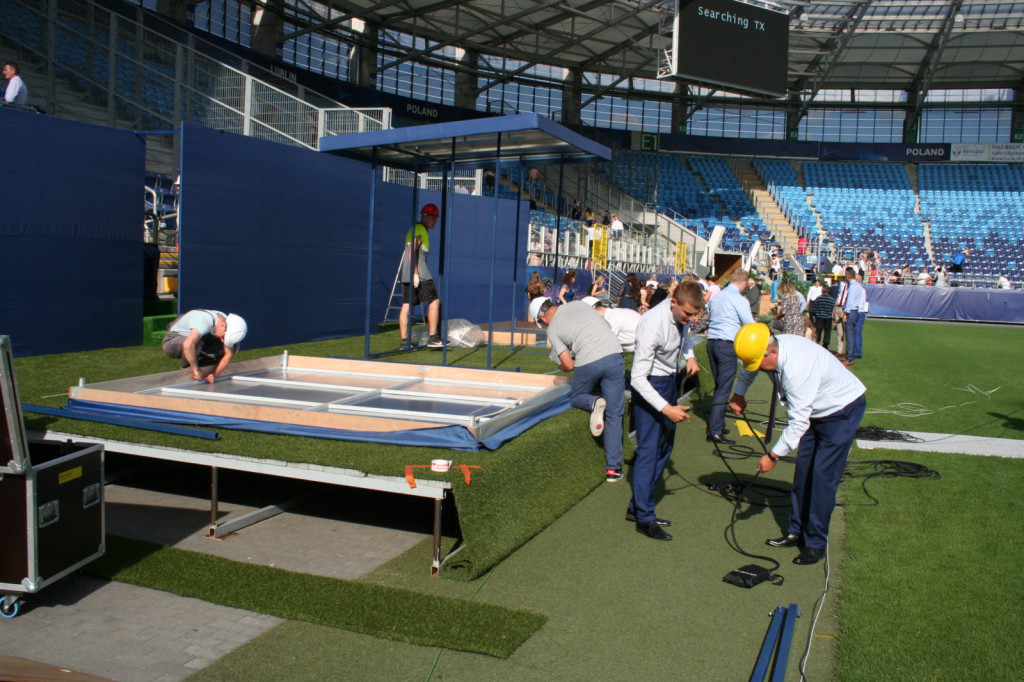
[516,333]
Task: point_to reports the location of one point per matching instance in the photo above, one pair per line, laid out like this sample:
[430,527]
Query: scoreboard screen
[731,45]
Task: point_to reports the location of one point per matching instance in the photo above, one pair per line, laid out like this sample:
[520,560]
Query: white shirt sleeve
[643,363]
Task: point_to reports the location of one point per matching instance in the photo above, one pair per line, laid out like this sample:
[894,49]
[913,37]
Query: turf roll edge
[388,612]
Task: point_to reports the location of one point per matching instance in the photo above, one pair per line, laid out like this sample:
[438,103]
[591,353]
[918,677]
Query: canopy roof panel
[526,138]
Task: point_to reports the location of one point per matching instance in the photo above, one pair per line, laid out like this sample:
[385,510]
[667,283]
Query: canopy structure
[472,144]
[342,399]
[475,143]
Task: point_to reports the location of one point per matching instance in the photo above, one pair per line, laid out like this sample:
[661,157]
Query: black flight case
[51,501]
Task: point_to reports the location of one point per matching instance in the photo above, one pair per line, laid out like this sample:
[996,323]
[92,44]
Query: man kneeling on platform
[583,343]
[205,340]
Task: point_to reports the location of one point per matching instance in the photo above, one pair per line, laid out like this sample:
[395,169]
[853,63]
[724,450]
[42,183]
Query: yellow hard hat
[750,343]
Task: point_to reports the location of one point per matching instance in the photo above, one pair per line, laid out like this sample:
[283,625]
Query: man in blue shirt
[825,403]
[727,312]
[853,300]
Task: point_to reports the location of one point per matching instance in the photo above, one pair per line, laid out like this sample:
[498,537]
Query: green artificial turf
[388,612]
[519,489]
[932,582]
[942,378]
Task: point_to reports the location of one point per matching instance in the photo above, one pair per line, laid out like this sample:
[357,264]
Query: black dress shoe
[788,540]
[653,531]
[809,555]
[720,439]
[631,517]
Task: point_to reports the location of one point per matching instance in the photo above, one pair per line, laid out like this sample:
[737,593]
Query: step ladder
[394,308]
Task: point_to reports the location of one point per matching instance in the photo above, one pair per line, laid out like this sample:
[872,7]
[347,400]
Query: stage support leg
[435,566]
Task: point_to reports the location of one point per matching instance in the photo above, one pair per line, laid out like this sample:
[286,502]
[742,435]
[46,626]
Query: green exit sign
[649,142]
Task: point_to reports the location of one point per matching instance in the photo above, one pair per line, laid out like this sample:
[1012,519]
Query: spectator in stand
[598,287]
[1004,282]
[576,212]
[940,276]
[567,293]
[606,219]
[536,286]
[461,188]
[872,272]
[821,312]
[959,261]
[16,92]
[629,296]
[616,224]
[588,218]
[489,180]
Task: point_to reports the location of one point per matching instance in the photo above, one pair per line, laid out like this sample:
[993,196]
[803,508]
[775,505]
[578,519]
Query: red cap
[430,209]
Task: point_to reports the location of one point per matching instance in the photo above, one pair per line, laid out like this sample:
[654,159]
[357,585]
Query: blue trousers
[609,376]
[655,436]
[722,358]
[861,317]
[820,460]
[852,328]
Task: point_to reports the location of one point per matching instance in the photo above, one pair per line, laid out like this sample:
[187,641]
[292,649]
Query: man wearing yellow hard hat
[825,404]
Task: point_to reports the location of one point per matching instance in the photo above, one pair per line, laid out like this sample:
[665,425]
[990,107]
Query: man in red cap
[417,246]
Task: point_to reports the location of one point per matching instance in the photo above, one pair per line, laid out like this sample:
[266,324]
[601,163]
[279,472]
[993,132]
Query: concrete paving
[127,633]
[942,442]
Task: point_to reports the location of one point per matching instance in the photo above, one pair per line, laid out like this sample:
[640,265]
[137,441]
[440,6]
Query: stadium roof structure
[912,45]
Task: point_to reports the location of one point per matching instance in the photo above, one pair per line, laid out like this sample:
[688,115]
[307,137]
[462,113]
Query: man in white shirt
[825,404]
[16,92]
[623,322]
[616,224]
[661,337]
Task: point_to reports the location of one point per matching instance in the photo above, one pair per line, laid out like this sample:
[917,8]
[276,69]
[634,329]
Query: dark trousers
[655,436]
[823,328]
[852,335]
[722,358]
[820,460]
[608,377]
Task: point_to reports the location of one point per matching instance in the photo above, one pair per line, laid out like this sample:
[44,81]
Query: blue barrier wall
[279,235]
[71,261]
[946,303]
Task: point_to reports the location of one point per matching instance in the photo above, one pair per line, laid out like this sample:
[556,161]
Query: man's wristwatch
[774,459]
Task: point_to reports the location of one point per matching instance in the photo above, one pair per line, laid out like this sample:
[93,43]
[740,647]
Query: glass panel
[364,381]
[275,391]
[469,391]
[425,405]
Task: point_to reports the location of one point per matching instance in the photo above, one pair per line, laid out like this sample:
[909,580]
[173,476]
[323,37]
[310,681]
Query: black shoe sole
[664,523]
[655,534]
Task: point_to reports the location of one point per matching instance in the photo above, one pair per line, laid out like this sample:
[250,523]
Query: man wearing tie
[661,336]
[825,403]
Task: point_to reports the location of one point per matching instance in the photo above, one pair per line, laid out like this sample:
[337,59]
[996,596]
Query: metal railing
[142,72]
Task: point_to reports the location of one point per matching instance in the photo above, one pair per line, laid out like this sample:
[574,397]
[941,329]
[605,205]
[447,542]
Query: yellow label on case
[69,475]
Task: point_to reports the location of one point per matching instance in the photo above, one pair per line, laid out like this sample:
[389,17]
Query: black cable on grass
[883,468]
[880,433]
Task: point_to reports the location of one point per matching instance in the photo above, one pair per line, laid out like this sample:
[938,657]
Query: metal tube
[435,566]
[214,485]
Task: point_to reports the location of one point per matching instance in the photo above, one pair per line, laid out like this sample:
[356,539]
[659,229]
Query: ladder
[395,299]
